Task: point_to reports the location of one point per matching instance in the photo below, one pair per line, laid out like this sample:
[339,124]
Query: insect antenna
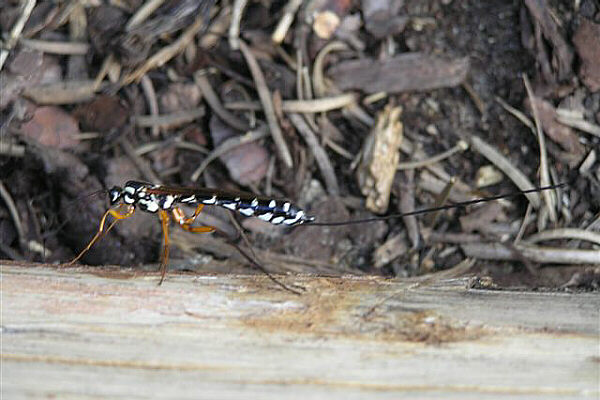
[77,202]
[461,204]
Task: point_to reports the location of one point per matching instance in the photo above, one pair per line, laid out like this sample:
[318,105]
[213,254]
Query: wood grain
[102,332]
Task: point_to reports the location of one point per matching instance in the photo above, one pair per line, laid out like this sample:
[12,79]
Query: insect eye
[115,194]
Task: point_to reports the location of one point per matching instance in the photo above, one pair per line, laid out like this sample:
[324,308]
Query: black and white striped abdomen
[270,210]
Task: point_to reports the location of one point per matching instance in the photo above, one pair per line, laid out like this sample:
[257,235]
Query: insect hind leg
[186,223]
[164,221]
[120,212]
[253,259]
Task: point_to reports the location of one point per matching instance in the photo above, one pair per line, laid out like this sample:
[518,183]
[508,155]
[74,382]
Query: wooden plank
[90,333]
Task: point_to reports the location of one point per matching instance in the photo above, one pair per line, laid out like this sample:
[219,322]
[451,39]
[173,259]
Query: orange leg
[186,223]
[164,220]
[122,211]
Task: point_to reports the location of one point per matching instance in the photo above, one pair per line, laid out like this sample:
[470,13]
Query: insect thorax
[137,194]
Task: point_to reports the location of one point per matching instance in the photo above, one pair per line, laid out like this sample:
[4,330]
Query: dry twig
[55,47]
[150,94]
[323,104]
[267,102]
[140,163]
[289,11]
[14,213]
[544,172]
[168,52]
[15,32]
[215,103]
[577,122]
[503,164]
[169,120]
[460,146]
[11,149]
[234,28]
[543,255]
[565,233]
[318,78]
[143,13]
[320,155]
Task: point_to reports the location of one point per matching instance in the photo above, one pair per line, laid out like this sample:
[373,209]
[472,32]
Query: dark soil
[62,151]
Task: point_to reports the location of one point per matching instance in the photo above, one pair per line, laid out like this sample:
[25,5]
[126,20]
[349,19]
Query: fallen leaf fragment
[562,55]
[381,17]
[587,44]
[561,134]
[52,127]
[102,114]
[179,96]
[246,163]
[480,219]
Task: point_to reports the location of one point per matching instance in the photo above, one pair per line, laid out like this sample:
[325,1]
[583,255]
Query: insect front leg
[120,212]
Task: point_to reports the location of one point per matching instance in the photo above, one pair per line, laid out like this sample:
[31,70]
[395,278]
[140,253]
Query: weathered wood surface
[97,333]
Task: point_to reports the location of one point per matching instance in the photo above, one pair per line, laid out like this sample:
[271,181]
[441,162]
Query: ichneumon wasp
[166,201]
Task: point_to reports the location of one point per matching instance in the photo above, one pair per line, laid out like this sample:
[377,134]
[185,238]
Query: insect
[166,201]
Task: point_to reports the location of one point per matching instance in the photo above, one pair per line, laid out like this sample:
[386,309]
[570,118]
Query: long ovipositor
[152,198]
